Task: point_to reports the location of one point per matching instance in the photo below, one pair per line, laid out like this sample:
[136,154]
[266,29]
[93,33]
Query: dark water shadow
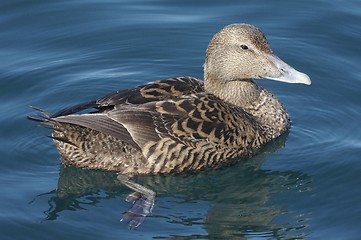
[239,197]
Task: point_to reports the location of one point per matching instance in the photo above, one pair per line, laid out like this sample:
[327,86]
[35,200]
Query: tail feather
[46,119]
[41,111]
[42,117]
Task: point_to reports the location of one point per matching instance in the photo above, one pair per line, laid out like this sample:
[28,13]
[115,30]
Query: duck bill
[286,73]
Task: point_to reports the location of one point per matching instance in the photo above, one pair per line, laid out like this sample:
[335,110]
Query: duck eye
[244,47]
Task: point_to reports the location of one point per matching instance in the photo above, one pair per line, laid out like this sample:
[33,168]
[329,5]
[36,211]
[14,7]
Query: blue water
[57,53]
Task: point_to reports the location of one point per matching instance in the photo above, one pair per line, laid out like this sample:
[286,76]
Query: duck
[182,124]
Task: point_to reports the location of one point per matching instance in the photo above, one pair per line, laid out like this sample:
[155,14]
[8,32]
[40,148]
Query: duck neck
[267,110]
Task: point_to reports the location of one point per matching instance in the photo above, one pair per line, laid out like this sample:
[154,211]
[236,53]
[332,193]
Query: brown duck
[183,124]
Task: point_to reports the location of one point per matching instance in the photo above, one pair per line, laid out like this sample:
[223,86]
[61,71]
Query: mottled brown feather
[180,124]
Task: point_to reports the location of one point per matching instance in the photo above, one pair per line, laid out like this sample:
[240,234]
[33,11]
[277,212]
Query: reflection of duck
[180,124]
[228,202]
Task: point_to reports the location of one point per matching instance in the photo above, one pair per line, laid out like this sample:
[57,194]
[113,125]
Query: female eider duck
[183,124]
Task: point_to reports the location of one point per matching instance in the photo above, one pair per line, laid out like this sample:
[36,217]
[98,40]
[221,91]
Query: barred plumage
[182,124]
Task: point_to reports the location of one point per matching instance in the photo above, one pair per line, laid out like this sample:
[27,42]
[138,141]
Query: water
[57,53]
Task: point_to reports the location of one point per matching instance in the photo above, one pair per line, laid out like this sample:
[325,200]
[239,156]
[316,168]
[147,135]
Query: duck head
[240,52]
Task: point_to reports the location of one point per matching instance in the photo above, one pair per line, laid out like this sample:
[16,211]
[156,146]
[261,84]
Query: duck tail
[44,117]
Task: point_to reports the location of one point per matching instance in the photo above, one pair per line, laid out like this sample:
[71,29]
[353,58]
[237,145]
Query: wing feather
[99,122]
[186,120]
[154,91]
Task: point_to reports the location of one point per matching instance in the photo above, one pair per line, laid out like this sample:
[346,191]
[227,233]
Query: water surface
[303,186]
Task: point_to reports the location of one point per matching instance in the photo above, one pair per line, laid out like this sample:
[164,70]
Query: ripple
[58,53]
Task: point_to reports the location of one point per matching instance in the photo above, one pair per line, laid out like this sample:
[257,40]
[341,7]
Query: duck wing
[184,133]
[153,91]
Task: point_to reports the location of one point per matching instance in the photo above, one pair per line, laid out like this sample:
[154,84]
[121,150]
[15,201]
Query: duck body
[182,124]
